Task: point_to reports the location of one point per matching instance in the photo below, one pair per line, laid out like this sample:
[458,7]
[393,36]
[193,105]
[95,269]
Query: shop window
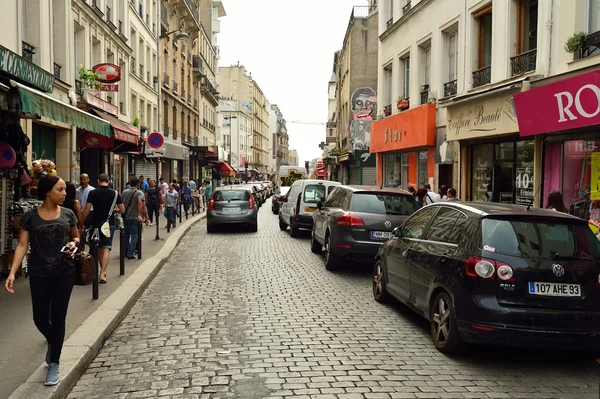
[423,176]
[482,172]
[581,158]
[404,170]
[392,174]
[43,143]
[524,184]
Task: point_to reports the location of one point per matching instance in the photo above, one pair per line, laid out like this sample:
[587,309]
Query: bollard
[122,250]
[94,253]
[179,212]
[139,241]
[169,218]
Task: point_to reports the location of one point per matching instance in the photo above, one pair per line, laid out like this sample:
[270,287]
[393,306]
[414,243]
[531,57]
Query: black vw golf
[487,273]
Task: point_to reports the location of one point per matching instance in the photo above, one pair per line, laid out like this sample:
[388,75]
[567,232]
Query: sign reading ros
[567,104]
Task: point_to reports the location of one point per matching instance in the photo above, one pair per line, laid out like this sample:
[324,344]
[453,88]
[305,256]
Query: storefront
[496,164]
[173,161]
[565,112]
[404,145]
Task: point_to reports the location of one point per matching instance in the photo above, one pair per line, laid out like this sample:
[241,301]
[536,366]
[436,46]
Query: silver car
[232,205]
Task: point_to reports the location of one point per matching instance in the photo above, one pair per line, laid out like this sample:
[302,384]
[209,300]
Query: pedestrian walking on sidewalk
[135,213]
[82,194]
[48,229]
[153,198]
[73,204]
[102,199]
[186,197]
[171,199]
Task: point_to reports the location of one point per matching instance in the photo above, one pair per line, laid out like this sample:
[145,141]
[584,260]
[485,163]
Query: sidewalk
[24,347]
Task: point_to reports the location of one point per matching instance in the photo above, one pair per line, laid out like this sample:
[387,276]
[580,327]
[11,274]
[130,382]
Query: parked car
[258,193]
[270,187]
[261,190]
[232,205]
[487,273]
[354,221]
[275,202]
[298,206]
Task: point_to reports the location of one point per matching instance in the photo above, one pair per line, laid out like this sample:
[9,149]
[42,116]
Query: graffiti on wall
[364,104]
[360,131]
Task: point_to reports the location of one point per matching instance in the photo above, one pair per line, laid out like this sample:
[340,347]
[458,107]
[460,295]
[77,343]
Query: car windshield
[388,203]
[314,192]
[539,239]
[231,195]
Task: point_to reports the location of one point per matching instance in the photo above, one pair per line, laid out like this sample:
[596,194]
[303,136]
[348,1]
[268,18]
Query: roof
[378,189]
[319,181]
[232,187]
[484,209]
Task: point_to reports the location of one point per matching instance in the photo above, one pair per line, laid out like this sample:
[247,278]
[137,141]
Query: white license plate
[381,235]
[232,210]
[554,289]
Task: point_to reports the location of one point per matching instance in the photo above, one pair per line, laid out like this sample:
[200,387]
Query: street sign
[155,140]
[107,73]
[109,87]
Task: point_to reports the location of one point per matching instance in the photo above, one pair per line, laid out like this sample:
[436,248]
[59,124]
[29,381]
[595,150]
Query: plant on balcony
[89,78]
[155,78]
[575,42]
[402,103]
[136,122]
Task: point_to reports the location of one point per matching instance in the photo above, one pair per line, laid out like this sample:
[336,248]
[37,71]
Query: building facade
[279,138]
[260,143]
[235,124]
[356,97]
[293,158]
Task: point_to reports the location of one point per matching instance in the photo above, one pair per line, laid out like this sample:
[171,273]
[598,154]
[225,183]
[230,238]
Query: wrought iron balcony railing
[28,51]
[57,69]
[175,134]
[450,88]
[523,63]
[166,131]
[424,94]
[133,67]
[406,8]
[166,79]
[482,76]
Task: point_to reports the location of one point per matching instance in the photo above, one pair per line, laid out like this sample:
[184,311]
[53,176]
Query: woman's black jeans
[50,299]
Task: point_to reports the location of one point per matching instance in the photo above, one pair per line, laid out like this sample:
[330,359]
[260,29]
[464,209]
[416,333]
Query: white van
[297,207]
[289,174]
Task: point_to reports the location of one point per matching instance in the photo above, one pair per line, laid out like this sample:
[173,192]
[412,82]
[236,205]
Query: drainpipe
[549,26]
[75,168]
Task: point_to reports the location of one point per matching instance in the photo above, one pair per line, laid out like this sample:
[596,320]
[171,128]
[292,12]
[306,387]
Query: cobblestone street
[254,315]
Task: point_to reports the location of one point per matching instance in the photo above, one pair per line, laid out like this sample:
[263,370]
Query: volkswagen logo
[388,224]
[558,270]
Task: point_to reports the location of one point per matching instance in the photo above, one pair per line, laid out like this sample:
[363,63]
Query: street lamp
[179,36]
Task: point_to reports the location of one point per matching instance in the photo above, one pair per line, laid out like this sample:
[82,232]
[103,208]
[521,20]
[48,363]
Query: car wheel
[331,260]
[379,290]
[282,224]
[210,229]
[253,228]
[315,246]
[444,331]
[293,230]
[275,212]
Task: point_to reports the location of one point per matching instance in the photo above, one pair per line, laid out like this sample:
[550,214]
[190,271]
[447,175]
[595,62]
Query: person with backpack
[186,197]
[135,213]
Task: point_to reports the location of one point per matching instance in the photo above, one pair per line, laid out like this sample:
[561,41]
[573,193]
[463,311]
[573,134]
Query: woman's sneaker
[52,375]
[48,353]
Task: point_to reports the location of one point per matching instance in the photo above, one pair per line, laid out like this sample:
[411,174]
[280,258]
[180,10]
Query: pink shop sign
[568,104]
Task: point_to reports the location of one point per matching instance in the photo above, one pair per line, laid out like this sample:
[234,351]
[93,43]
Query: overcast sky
[288,47]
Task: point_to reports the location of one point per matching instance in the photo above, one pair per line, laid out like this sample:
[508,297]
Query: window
[234,195]
[388,82]
[593,16]
[452,56]
[390,7]
[383,204]
[484,37]
[406,77]
[314,192]
[423,175]
[427,56]
[415,226]
[527,20]
[447,226]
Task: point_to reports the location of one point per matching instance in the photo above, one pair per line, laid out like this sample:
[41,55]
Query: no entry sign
[156,140]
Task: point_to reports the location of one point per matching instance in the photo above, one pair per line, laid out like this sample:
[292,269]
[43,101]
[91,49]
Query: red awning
[227,169]
[87,139]
[122,131]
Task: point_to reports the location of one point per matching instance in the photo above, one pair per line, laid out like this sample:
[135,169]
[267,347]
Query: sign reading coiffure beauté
[25,71]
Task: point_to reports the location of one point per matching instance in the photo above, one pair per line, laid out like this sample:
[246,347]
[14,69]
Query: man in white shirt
[431,196]
[84,189]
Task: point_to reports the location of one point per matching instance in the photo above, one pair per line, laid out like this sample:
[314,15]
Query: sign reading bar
[483,118]
[25,71]
[114,88]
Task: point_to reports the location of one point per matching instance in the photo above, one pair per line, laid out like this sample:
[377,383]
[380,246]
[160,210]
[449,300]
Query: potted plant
[574,44]
[402,103]
[136,122]
[89,78]
[155,79]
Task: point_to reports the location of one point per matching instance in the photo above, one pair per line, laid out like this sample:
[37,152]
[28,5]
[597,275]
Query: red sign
[107,73]
[568,104]
[106,87]
[155,140]
[101,104]
[126,137]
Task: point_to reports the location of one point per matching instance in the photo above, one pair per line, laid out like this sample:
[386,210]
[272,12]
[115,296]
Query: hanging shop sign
[331,132]
[212,154]
[107,73]
[112,88]
[101,104]
[24,71]
[490,117]
[568,104]
[414,128]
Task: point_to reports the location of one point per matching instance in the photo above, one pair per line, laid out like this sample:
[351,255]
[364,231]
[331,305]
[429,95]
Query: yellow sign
[595,178]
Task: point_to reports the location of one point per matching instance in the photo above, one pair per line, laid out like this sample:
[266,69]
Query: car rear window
[539,239]
[391,204]
[231,195]
[314,192]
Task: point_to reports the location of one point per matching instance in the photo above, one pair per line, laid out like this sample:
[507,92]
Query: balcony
[183,94]
[28,51]
[190,99]
[122,107]
[109,19]
[175,87]
[482,76]
[141,71]
[121,34]
[164,16]
[390,22]
[57,69]
[424,94]
[193,9]
[387,110]
[406,8]
[358,12]
[196,140]
[133,66]
[166,131]
[175,134]
[78,87]
[166,79]
[197,66]
[209,91]
[188,138]
[590,45]
[523,63]
[450,88]
[196,105]
[96,8]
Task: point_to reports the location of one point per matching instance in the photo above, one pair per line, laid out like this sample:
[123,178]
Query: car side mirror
[397,232]
[319,204]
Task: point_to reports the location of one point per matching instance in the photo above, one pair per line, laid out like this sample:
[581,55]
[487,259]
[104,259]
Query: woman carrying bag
[51,230]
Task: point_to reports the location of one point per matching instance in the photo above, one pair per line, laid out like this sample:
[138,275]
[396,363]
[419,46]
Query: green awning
[40,104]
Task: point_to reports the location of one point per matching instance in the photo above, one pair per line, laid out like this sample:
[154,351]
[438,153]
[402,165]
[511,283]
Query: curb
[86,341]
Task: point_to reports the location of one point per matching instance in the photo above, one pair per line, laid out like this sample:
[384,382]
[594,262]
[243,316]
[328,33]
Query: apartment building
[143,76]
[279,142]
[236,84]
[235,124]
[293,158]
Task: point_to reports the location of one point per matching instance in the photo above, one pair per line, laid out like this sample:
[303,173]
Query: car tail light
[349,220]
[211,205]
[504,272]
[478,267]
[251,203]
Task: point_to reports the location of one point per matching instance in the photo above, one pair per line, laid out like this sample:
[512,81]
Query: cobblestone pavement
[243,315]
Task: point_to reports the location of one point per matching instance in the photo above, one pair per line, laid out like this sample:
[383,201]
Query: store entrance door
[445,175]
[43,143]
